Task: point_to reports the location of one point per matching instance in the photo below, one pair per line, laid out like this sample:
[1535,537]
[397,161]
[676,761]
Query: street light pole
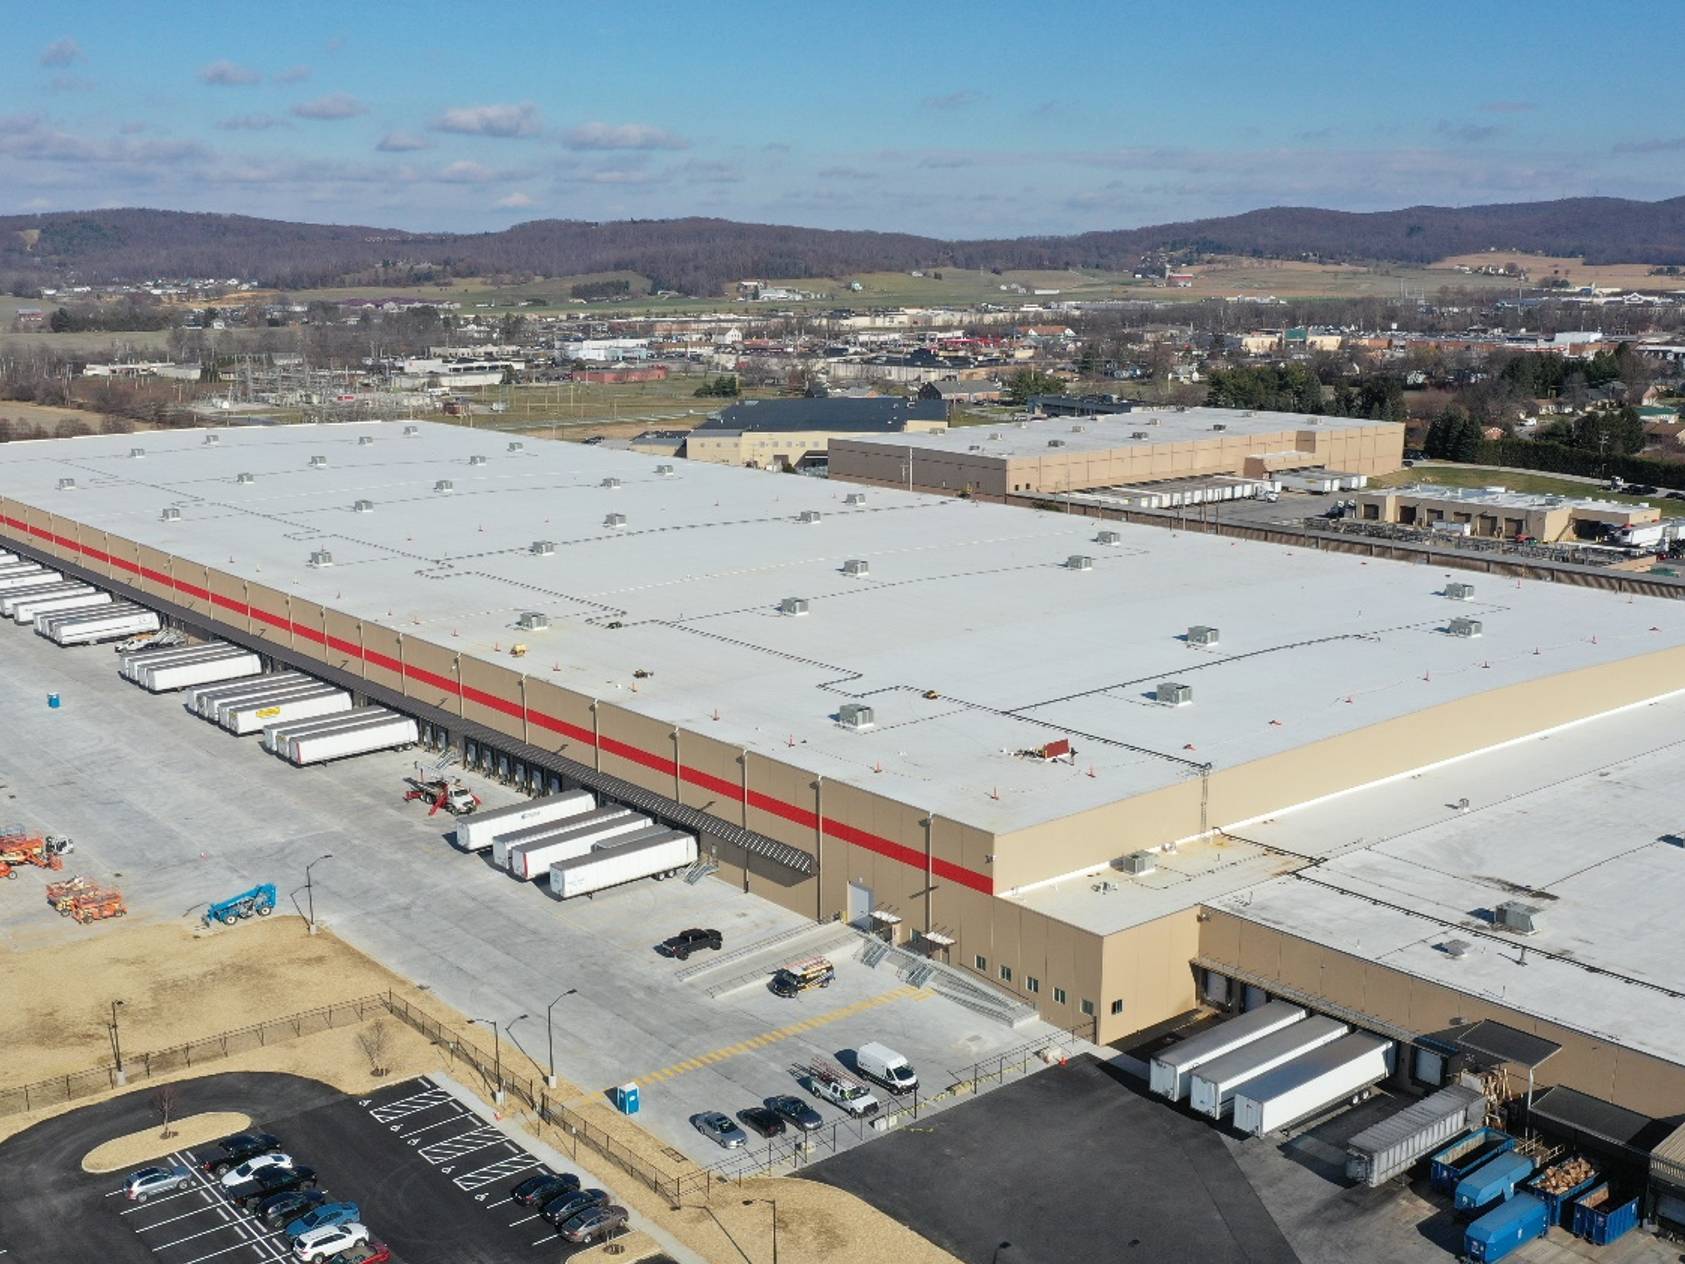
[122,1076]
[310,891]
[550,1032]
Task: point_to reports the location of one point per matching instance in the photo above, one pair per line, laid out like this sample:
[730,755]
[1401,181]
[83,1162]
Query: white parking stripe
[523,1220]
[417,1131]
[225,1250]
[541,1241]
[153,1202]
[499,1203]
[213,1229]
[268,1246]
[197,1211]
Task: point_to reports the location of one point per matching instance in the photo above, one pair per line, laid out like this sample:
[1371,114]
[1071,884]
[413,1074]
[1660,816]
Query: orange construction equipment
[6,871]
[97,904]
[63,893]
[43,851]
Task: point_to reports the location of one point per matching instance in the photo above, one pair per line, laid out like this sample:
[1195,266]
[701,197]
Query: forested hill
[701,256]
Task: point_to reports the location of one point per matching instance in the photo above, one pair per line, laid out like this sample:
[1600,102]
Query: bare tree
[164,1102]
[375,1040]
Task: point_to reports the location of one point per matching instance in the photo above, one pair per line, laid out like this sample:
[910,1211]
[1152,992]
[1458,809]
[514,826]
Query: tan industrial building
[787,434]
[1111,772]
[1077,454]
[1500,512]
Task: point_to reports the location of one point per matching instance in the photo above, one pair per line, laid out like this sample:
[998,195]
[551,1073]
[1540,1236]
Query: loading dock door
[859,906]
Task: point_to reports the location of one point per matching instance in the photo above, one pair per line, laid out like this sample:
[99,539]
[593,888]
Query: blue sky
[979,119]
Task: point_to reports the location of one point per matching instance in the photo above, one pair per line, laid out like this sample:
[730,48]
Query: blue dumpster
[1506,1227]
[1493,1182]
[1603,1213]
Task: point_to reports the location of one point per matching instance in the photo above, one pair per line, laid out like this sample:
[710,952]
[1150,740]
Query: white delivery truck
[505,843]
[25,611]
[1337,1072]
[637,857]
[228,665]
[121,619]
[882,1065]
[476,833]
[1172,1068]
[386,730]
[528,861]
[1212,1088]
[10,597]
[251,717]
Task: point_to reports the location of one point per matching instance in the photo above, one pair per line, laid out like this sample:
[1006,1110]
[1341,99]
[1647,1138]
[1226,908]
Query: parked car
[323,1216]
[680,946]
[762,1120]
[328,1241]
[281,1210]
[271,1180]
[370,1252]
[598,1222]
[150,1181]
[793,979]
[235,1150]
[719,1129]
[546,1187]
[844,1094]
[252,1166]
[798,1112]
[558,1211]
[882,1065]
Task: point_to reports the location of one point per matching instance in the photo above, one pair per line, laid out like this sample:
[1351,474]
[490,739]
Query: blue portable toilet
[626,1099]
[53,701]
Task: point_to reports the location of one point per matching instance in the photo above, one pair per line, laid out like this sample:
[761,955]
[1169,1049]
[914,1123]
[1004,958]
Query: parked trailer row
[27,576]
[1383,1150]
[254,717]
[202,700]
[533,860]
[130,662]
[89,599]
[356,732]
[504,845]
[11,597]
[623,860]
[1212,1087]
[113,622]
[1172,1069]
[1348,1067]
[480,831]
[258,694]
[229,663]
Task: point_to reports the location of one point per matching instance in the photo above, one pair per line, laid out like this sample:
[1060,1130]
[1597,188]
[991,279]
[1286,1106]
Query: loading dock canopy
[1591,1119]
[1496,1042]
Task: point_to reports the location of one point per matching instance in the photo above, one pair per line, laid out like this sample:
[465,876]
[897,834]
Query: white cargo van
[882,1065]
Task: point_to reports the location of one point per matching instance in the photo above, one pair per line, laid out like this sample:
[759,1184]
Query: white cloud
[506,121]
[251,123]
[61,52]
[622,136]
[293,74]
[336,105]
[402,143]
[516,201]
[466,173]
[226,74]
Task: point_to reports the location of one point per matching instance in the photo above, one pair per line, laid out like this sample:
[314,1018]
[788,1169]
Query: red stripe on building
[274,620]
[777,807]
[556,725]
[649,760]
[309,633]
[719,785]
[428,678]
[345,647]
[493,701]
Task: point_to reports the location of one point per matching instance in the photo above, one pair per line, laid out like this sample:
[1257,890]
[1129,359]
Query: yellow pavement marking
[783,1033]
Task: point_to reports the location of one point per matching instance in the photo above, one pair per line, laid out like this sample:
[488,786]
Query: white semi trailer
[10,597]
[203,700]
[503,844]
[118,620]
[533,860]
[1337,1072]
[229,664]
[130,663]
[1212,1088]
[27,576]
[88,599]
[358,732]
[217,710]
[479,831]
[253,717]
[661,855]
[1173,1068]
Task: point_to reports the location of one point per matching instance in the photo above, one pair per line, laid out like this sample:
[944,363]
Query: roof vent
[321,558]
[855,498]
[793,606]
[365,441]
[1201,634]
[1516,916]
[243,479]
[136,453]
[542,548]
[664,471]
[1079,562]
[444,485]
[211,440]
[318,462]
[1138,863]
[170,515]
[1078,429]
[976,447]
[1460,592]
[515,445]
[533,621]
[808,515]
[994,434]
[1138,434]
[67,484]
[1175,694]
[476,460]
[615,520]
[859,567]
[1108,537]
[1055,443]
[856,715]
[613,484]
[1464,627]
[1456,949]
[411,431]
[363,506]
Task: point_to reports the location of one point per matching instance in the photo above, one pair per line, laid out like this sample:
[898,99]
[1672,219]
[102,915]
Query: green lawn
[1544,484]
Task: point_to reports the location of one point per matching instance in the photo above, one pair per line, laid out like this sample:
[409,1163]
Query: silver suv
[150,1181]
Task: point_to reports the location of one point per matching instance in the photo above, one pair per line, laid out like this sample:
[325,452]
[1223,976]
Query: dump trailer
[1173,1068]
[116,620]
[1504,1228]
[1604,1212]
[660,855]
[10,597]
[533,860]
[227,666]
[203,700]
[1211,1089]
[1382,1151]
[477,832]
[1561,1183]
[1494,1181]
[1313,1082]
[255,717]
[503,844]
[1451,1163]
[225,705]
[88,599]
[375,729]
[129,664]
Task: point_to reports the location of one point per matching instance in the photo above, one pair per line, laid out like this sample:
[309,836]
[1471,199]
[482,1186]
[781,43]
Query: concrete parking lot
[179,812]
[431,1179]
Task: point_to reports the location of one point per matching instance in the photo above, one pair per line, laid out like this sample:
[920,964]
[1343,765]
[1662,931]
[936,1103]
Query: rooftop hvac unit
[444,485]
[136,453]
[1460,592]
[613,484]
[856,716]
[170,515]
[476,460]
[615,520]
[211,439]
[365,441]
[1219,425]
[1175,694]
[1200,634]
[1078,429]
[1055,443]
[1139,862]
[67,484]
[793,605]
[1464,627]
[318,462]
[976,447]
[321,558]
[363,506]
[411,431]
[1138,434]
[664,471]
[857,566]
[1456,949]
[855,498]
[242,478]
[808,515]
[1079,562]
[533,621]
[515,445]
[1516,916]
[994,434]
[1108,537]
[542,548]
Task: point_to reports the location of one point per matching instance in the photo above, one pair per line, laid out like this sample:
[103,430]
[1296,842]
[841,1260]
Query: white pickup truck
[843,1093]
